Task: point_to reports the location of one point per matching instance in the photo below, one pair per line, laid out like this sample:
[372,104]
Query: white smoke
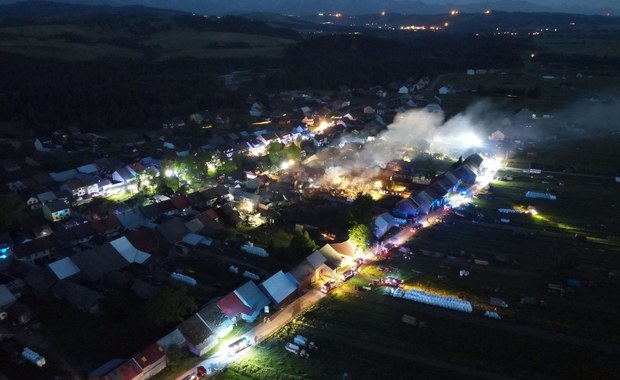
[413,131]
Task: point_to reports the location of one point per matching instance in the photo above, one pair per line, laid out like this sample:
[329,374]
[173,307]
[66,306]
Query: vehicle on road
[392,281]
[201,371]
[239,345]
[497,302]
[347,274]
[328,286]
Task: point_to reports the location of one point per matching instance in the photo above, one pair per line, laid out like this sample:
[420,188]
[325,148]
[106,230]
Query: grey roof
[64,176]
[215,319]
[252,296]
[47,196]
[316,259]
[57,205]
[87,169]
[195,330]
[279,286]
[40,279]
[173,230]
[77,295]
[302,270]
[131,219]
[474,161]
[97,262]
[6,297]
[64,268]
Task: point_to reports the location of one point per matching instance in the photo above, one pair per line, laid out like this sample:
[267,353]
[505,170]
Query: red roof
[210,220]
[143,239]
[106,224]
[150,355]
[129,370]
[137,167]
[180,202]
[232,306]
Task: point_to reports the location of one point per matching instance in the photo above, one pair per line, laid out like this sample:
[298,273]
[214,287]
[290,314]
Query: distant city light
[454,12]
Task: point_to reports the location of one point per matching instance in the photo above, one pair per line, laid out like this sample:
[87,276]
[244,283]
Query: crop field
[529,252]
[360,333]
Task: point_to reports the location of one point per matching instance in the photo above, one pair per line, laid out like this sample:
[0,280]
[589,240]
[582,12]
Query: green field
[579,43]
[361,334]
[90,42]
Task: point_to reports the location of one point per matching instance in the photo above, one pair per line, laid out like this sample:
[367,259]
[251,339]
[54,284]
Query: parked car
[392,281]
[328,286]
[347,274]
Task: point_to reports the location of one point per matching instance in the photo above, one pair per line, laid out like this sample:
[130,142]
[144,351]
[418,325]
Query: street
[263,330]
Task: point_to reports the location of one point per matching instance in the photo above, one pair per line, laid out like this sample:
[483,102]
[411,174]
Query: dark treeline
[362,61]
[136,93]
[235,24]
[112,93]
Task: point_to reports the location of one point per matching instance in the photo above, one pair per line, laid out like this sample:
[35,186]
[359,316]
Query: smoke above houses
[412,132]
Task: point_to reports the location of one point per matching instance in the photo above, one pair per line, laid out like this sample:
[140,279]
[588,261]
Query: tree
[171,304]
[273,151]
[360,235]
[10,211]
[302,243]
[292,152]
[361,209]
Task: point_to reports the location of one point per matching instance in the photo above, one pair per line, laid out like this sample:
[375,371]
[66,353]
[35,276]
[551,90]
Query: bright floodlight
[168,172]
[472,140]
[284,165]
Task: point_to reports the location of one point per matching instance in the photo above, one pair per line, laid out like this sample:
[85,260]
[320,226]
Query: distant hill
[357,7]
[78,32]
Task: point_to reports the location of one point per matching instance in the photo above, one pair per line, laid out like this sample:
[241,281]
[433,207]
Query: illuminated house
[434,196]
[144,365]
[199,337]
[56,210]
[338,256]
[384,222]
[245,302]
[151,361]
[6,246]
[311,269]
[279,288]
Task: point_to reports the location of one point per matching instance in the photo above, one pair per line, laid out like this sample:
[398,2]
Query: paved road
[264,330]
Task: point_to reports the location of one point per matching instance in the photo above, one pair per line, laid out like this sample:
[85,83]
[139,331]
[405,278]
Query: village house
[35,249]
[497,136]
[246,302]
[56,210]
[312,268]
[280,288]
[198,336]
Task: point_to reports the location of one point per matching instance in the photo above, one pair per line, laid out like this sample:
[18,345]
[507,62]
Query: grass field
[554,94]
[362,335]
[580,43]
[190,43]
[90,42]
